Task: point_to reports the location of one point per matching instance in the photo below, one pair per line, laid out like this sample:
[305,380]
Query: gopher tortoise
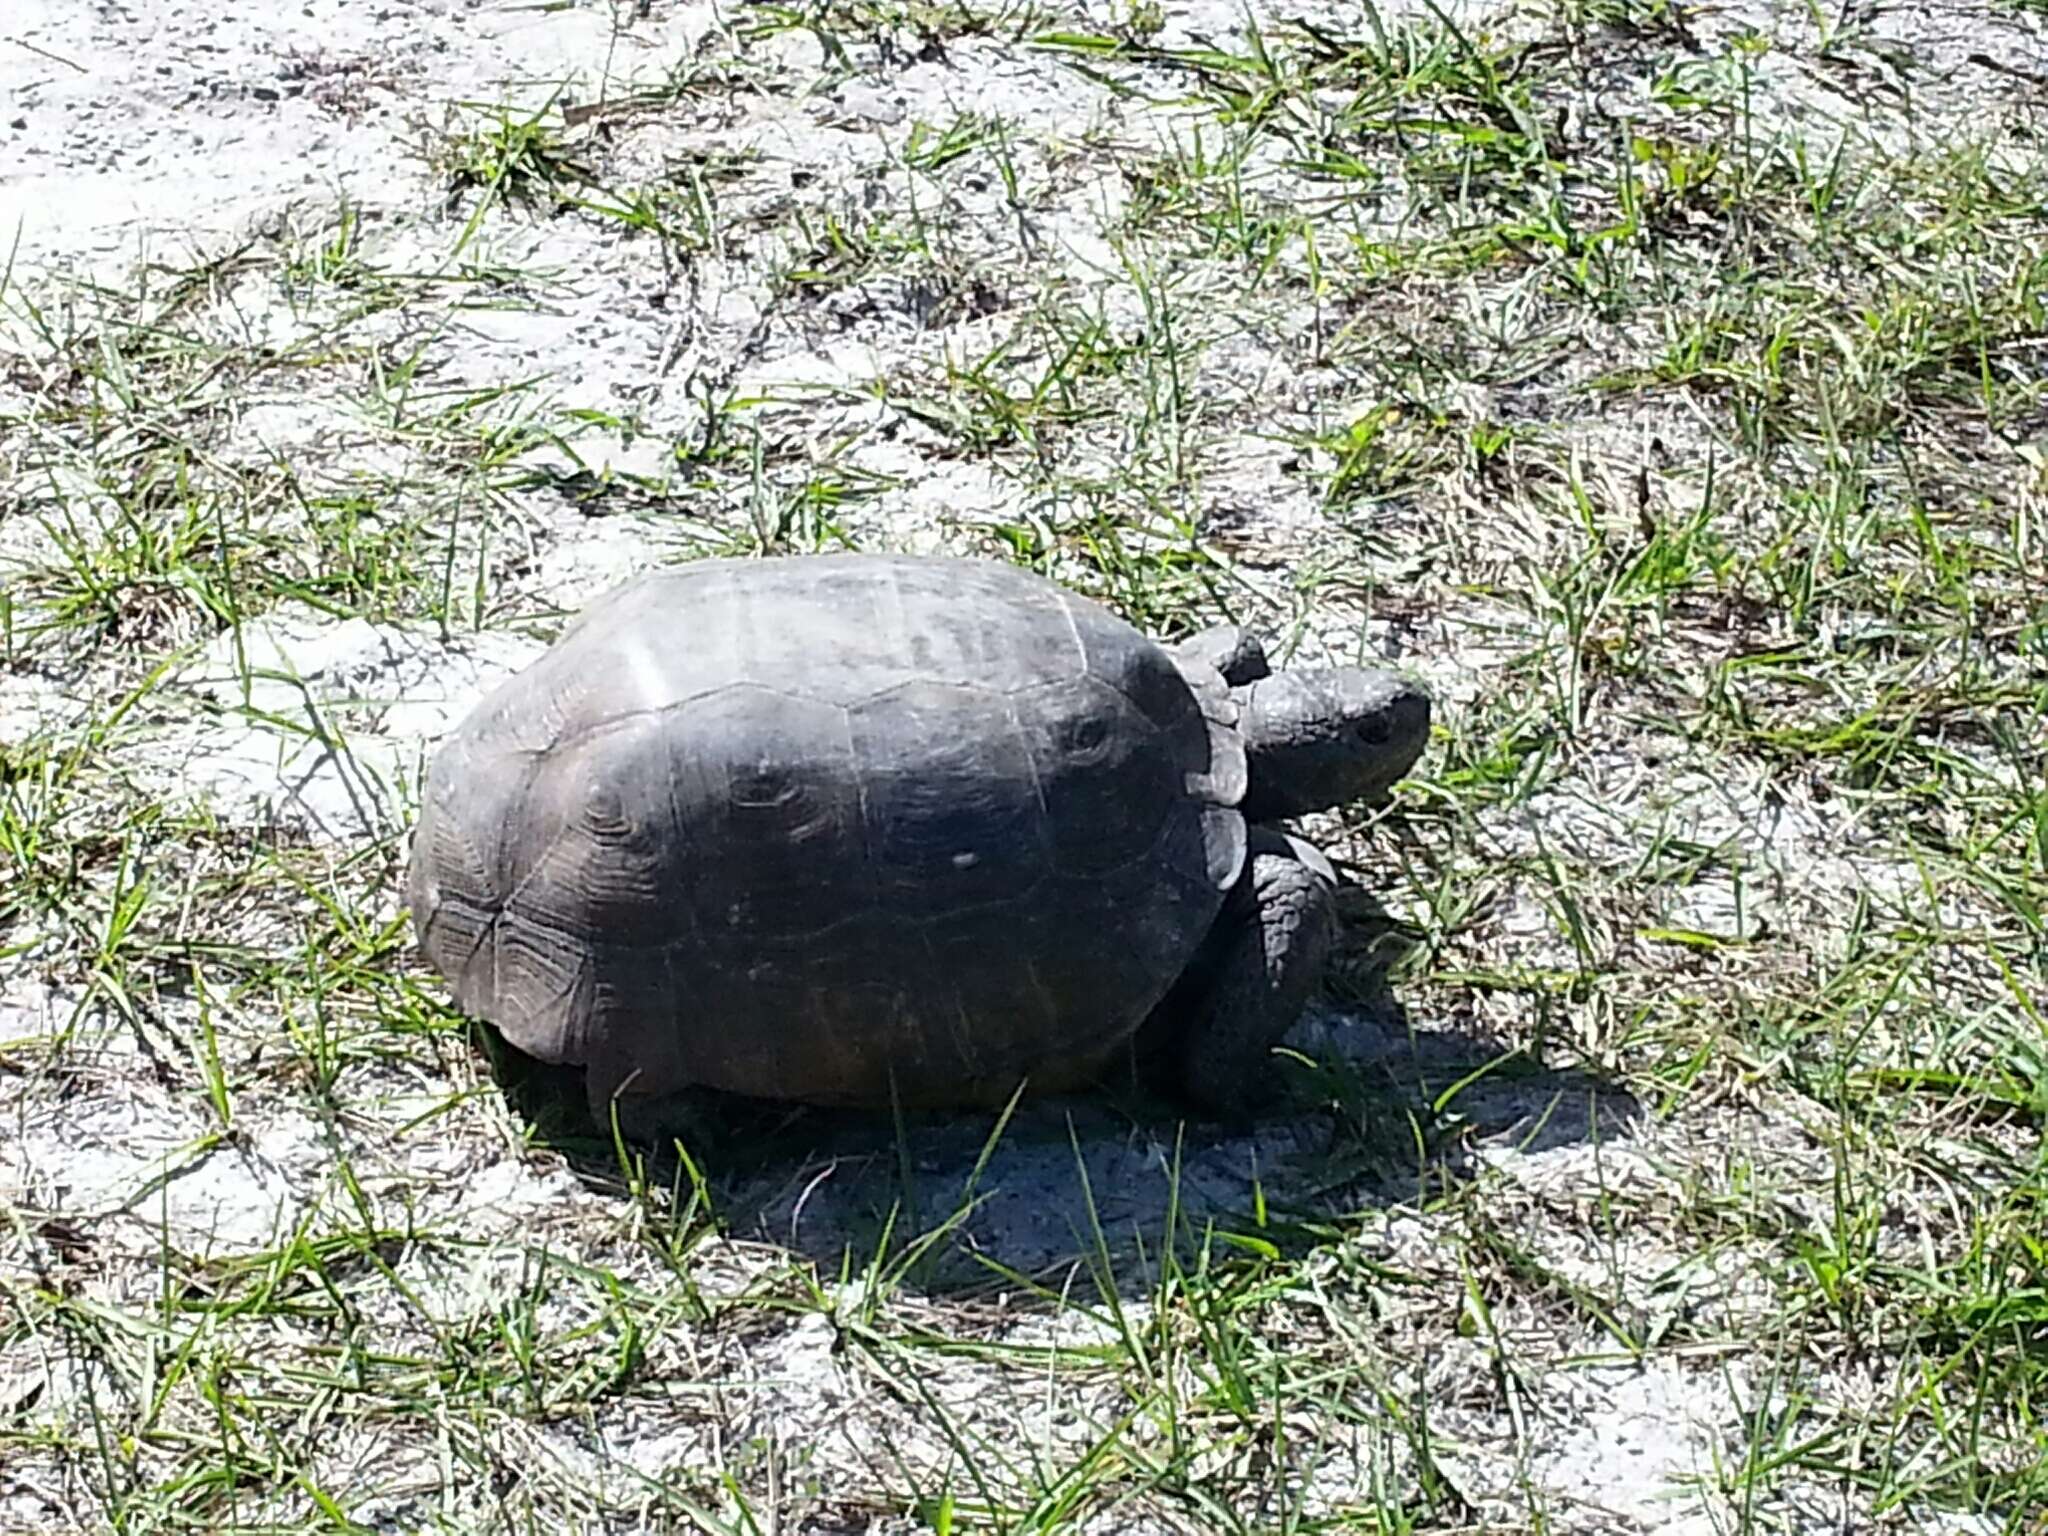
[873,830]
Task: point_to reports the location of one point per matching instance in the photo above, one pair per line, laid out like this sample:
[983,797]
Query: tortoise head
[1325,737]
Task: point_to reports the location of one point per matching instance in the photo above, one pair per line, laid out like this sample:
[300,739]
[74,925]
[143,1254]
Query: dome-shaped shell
[832,828]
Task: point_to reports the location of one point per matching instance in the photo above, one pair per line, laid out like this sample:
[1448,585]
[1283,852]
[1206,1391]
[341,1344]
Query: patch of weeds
[832,251]
[507,156]
[1158,577]
[888,25]
[332,257]
[1377,456]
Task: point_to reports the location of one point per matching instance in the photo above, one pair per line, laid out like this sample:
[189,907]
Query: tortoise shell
[846,829]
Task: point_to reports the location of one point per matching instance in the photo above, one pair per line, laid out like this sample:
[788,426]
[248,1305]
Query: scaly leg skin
[1231,650]
[1259,966]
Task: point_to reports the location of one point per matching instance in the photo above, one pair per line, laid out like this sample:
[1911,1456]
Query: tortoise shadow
[1378,1110]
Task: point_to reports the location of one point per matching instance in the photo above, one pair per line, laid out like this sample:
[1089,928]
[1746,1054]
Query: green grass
[1694,450]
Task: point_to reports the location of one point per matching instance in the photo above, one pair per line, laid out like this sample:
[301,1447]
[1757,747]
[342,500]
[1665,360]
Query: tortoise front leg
[1231,649]
[1262,961]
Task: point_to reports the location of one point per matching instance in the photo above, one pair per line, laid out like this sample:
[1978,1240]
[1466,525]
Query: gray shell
[832,828]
